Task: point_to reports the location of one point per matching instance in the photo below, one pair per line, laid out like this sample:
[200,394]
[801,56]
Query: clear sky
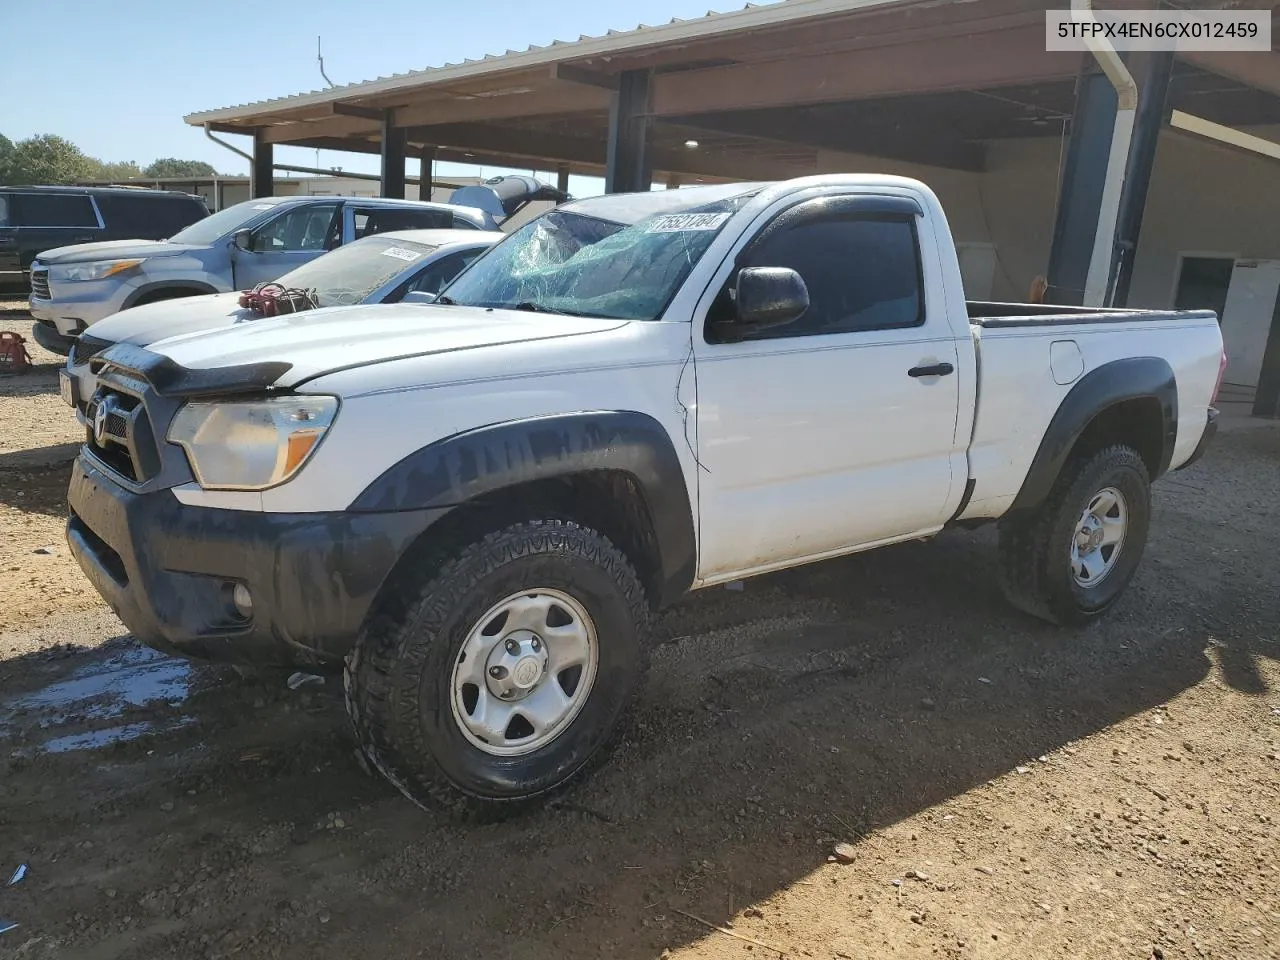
[117,78]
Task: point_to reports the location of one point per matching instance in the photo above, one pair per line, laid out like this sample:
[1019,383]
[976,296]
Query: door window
[862,272]
[434,278]
[54,210]
[371,220]
[310,227]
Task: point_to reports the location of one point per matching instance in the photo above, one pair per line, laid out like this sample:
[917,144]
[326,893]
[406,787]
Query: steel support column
[628,166]
[1085,173]
[1266,399]
[262,169]
[562,178]
[1152,70]
[1080,192]
[393,150]
[427,175]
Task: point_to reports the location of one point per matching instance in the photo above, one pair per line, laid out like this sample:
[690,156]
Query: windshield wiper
[447,301]
[532,307]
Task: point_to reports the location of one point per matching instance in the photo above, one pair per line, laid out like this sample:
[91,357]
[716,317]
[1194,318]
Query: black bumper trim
[47,335]
[1210,431]
[167,569]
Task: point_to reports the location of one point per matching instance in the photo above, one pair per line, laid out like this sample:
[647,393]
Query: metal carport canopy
[762,90]
[708,79]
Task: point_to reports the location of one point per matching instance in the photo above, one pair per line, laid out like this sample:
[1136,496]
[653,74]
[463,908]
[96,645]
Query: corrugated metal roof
[612,42]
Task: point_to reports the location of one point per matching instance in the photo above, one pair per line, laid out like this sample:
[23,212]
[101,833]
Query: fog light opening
[242,600]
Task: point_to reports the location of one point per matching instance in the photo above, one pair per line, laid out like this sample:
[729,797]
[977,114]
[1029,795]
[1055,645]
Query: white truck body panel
[805,447]
[1020,394]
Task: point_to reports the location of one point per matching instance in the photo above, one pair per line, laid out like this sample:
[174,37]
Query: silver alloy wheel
[1099,537]
[524,672]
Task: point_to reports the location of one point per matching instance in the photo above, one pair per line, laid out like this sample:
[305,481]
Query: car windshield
[621,257]
[225,221]
[349,274]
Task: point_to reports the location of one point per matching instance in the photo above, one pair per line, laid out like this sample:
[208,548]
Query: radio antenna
[320,60]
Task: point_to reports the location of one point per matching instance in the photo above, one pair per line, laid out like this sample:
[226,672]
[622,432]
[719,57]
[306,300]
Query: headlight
[98,270]
[251,445]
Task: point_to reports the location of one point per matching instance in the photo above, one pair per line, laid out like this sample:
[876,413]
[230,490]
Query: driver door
[296,236]
[822,436]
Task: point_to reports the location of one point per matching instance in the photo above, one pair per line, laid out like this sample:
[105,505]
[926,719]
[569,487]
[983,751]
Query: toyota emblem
[100,421]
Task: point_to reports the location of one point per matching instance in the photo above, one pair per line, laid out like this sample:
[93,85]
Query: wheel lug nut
[498,673]
[536,644]
[513,647]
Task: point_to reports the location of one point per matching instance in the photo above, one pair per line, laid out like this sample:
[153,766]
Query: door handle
[932,370]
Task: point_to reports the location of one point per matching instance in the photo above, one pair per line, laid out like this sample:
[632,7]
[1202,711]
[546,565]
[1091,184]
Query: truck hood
[113,250]
[322,341]
[171,318]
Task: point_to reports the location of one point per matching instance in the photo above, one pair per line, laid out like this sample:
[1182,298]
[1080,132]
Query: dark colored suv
[33,219]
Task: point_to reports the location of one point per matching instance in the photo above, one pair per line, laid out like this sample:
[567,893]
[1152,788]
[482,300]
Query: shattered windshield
[349,274]
[621,260]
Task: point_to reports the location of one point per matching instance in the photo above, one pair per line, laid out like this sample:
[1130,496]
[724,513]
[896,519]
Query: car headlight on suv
[95,270]
[253,444]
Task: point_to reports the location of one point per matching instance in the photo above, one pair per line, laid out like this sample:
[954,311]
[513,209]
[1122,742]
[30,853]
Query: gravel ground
[1004,789]
[38,436]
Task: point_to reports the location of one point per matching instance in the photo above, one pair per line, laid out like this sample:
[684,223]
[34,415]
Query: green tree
[119,170]
[46,158]
[6,151]
[172,167]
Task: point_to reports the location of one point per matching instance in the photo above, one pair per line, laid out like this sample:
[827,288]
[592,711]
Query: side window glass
[863,273]
[369,221]
[55,210]
[434,278]
[4,210]
[302,228]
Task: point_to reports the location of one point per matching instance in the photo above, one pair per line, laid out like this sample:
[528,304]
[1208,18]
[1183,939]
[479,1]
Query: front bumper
[47,335]
[1210,431]
[168,570]
[75,306]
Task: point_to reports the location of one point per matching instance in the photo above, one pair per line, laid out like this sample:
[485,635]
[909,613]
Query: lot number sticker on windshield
[678,222]
[400,253]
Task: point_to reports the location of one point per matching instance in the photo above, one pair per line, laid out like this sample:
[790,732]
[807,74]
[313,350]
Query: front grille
[85,348]
[40,285]
[120,436]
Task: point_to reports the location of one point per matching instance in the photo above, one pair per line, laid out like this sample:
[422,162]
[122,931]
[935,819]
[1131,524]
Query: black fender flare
[197,287]
[1133,378]
[467,465]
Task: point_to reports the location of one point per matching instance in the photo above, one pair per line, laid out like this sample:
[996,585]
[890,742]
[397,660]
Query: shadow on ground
[35,481]
[836,698]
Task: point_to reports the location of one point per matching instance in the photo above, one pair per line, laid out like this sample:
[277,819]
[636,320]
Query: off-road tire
[1035,564]
[397,679]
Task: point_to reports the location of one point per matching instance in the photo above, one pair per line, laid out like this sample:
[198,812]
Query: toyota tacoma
[629,398]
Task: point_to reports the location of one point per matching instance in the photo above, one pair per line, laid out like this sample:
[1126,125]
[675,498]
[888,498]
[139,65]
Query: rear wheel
[507,673]
[1069,560]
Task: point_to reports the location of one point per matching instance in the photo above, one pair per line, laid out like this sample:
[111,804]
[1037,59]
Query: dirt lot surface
[38,436]
[1008,790]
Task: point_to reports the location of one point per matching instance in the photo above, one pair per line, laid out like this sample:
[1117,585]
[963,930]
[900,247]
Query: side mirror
[768,297]
[419,296]
[243,239]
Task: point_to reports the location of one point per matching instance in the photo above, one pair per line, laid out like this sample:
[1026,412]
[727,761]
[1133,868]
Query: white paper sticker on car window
[263,206]
[400,253]
[677,222]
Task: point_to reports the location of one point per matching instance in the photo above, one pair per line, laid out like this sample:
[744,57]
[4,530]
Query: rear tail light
[1222,369]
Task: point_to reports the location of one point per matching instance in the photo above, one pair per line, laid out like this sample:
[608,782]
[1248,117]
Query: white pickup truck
[629,398]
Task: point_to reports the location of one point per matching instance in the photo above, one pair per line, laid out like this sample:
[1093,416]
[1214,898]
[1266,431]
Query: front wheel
[1069,560]
[507,672]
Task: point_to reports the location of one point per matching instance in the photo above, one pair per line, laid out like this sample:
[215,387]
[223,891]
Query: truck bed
[995,314]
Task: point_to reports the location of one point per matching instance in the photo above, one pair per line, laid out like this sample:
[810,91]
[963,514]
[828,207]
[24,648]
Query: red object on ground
[13,353]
